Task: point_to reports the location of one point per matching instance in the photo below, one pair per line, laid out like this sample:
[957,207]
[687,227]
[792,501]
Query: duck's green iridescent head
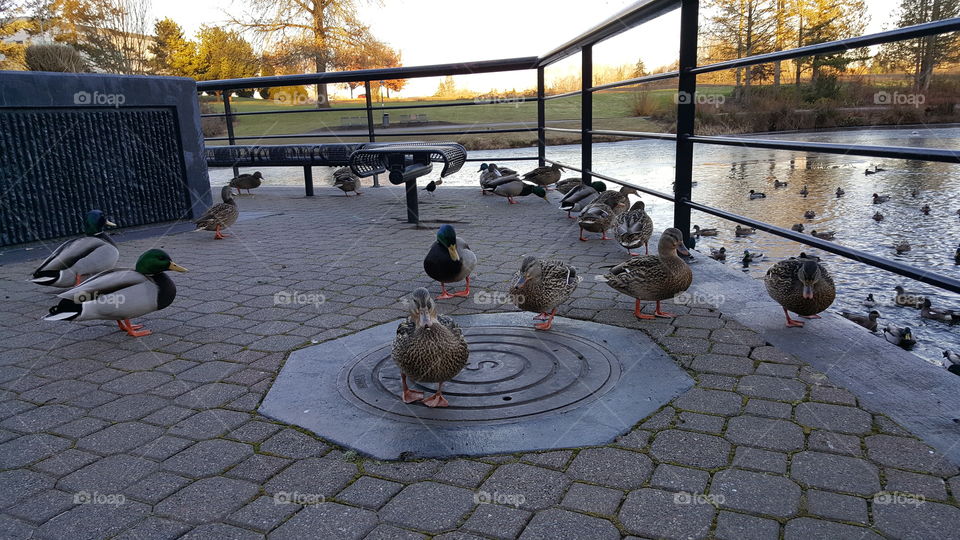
[540,192]
[483,167]
[447,237]
[599,186]
[95,221]
[154,261]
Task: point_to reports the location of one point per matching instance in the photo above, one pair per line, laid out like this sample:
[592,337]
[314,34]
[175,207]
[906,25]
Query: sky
[493,29]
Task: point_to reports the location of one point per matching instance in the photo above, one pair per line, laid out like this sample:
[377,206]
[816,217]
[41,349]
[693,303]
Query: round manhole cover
[513,373]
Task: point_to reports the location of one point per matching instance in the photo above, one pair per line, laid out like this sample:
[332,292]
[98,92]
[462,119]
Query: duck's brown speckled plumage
[547,283]
[653,277]
[634,227]
[544,176]
[564,186]
[220,215]
[434,353]
[784,285]
[345,180]
[599,215]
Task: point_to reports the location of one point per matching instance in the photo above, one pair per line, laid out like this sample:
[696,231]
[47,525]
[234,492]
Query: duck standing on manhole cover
[428,348]
[541,286]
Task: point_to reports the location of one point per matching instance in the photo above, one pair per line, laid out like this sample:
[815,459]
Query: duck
[878,168]
[809,214]
[79,257]
[907,298]
[346,181]
[718,254]
[744,231]
[868,321]
[751,257]
[840,192]
[877,216]
[247,182]
[825,235]
[878,199]
[599,215]
[901,337]
[925,209]
[804,191]
[902,247]
[121,294]
[952,358]
[797,227]
[430,187]
[869,171]
[544,176]
[428,348]
[450,260]
[938,314]
[564,186]
[697,231]
[801,285]
[870,301]
[653,277]
[580,196]
[956,256]
[778,184]
[633,228]
[915,192]
[517,188]
[757,195]
[491,175]
[541,285]
[219,216]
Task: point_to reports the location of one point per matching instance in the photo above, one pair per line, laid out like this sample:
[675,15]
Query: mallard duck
[121,294]
[757,195]
[878,168]
[907,298]
[247,182]
[797,227]
[869,171]
[801,285]
[599,215]
[718,254]
[653,277]
[697,231]
[634,227]
[544,176]
[901,337]
[878,199]
[840,193]
[490,175]
[824,235]
[902,247]
[868,321]
[346,181]
[517,188]
[541,286]
[751,257]
[952,358]
[219,216]
[878,216]
[564,186]
[449,260]
[915,193]
[580,196]
[804,191]
[938,314]
[429,348]
[744,231]
[811,257]
[809,214]
[778,184]
[79,257]
[925,209]
[870,301]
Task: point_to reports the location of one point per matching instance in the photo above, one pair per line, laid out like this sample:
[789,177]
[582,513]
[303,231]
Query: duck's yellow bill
[176,267]
[453,253]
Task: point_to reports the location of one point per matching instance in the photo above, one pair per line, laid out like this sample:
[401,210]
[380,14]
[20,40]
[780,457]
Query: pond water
[725,175]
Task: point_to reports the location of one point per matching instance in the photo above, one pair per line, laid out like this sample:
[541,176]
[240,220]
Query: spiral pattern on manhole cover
[513,373]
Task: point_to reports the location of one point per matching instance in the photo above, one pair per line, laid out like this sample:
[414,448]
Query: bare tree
[113,34]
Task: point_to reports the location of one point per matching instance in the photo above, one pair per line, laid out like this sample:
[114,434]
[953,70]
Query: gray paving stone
[155,528]
[262,514]
[156,487]
[369,492]
[731,349]
[836,418]
[409,471]
[700,422]
[689,448]
[720,382]
[924,485]
[612,467]
[210,371]
[79,427]
[220,530]
[836,506]
[837,443]
[662,514]
[66,462]
[253,431]
[14,529]
[773,388]
[137,383]
[93,520]
[19,484]
[539,487]
[733,526]
[659,420]
[29,449]
[42,506]
[320,476]
[907,453]
[760,460]
[293,444]
[828,394]
[162,447]
[207,500]
[765,433]
[777,370]
[772,354]
[556,523]
[709,401]
[685,345]
[676,478]
[258,468]
[210,395]
[764,407]
[496,521]
[327,520]
[916,520]
[416,507]
[119,438]
[756,493]
[637,439]
[208,424]
[592,499]
[389,532]
[41,418]
[168,416]
[207,458]
[722,364]
[463,473]
[835,472]
[806,528]
[108,475]
[556,459]
[890,427]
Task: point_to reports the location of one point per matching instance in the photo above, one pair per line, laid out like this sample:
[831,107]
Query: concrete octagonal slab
[579,384]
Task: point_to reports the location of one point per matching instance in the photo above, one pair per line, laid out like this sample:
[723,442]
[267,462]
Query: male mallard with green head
[801,285]
[517,188]
[429,348]
[79,257]
[247,182]
[219,216]
[449,260]
[634,228]
[121,294]
[541,286]
[653,277]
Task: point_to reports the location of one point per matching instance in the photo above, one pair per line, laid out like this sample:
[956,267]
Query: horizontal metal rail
[563,130]
[381,108]
[636,134]
[637,80]
[563,95]
[496,159]
[894,152]
[379,134]
[284,111]
[840,45]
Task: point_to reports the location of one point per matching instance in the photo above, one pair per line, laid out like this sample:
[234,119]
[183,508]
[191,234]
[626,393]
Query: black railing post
[686,113]
[308,180]
[228,116]
[541,118]
[370,130]
[586,111]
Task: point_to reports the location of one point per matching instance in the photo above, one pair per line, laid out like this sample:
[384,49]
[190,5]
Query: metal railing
[685,137]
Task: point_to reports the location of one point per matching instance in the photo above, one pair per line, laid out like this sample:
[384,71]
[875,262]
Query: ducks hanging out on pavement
[541,286]
[564,186]
[428,348]
[544,176]
[800,285]
[580,196]
[247,182]
[219,216]
[84,256]
[633,228]
[599,215]
[346,181]
[450,260]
